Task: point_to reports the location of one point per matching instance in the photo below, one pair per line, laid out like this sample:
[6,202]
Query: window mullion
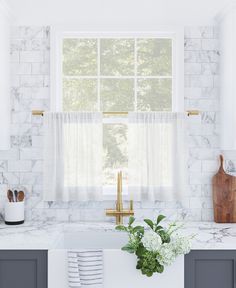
[98,75]
[135,74]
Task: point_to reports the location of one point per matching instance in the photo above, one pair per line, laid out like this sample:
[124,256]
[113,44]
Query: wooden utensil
[20,196]
[224,196]
[10,196]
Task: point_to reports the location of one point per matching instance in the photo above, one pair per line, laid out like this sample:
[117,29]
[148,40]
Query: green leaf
[160,268]
[149,274]
[128,248]
[121,228]
[160,218]
[165,237]
[140,251]
[158,228]
[139,229]
[131,220]
[149,222]
[139,265]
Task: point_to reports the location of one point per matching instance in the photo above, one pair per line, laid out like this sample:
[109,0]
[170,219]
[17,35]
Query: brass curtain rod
[189,112]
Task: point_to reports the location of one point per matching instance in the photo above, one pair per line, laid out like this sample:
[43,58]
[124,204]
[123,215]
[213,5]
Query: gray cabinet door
[210,269]
[23,268]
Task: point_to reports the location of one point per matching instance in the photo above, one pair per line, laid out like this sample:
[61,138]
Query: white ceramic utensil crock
[14,213]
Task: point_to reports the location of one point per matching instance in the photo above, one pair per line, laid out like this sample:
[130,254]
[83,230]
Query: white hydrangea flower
[151,241]
[166,255]
[181,245]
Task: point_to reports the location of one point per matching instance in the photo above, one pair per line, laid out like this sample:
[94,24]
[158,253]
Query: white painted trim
[228,88]
[55,69]
[6,11]
[177,34]
[227,9]
[178,71]
[120,77]
[98,78]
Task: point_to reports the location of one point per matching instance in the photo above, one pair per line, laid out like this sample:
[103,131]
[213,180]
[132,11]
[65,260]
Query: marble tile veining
[46,235]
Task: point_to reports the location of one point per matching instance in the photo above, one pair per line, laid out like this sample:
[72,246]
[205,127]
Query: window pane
[115,153]
[154,57]
[80,57]
[154,94]
[117,57]
[79,95]
[117,94]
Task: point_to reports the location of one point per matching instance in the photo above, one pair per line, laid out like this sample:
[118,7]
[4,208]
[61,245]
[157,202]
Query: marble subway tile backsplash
[29,89]
[21,166]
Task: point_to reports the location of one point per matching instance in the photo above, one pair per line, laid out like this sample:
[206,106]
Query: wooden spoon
[20,196]
[10,196]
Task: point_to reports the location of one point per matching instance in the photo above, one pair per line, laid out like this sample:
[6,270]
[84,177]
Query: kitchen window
[116,73]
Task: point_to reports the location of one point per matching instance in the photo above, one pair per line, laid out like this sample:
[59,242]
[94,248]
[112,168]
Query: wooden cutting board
[224,196]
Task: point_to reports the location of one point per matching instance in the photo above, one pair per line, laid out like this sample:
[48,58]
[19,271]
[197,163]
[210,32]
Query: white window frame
[58,33]
[176,34]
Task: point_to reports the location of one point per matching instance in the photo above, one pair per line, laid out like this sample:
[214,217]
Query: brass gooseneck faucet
[119,212]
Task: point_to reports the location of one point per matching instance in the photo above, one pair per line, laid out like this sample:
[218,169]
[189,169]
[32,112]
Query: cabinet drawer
[210,269]
[23,268]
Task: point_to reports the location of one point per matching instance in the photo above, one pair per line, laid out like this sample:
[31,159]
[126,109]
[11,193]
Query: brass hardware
[189,112]
[37,112]
[119,212]
[192,112]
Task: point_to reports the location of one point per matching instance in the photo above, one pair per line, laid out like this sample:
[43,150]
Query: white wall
[21,167]
[117,14]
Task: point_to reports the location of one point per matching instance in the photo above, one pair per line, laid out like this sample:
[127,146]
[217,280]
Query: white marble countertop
[40,235]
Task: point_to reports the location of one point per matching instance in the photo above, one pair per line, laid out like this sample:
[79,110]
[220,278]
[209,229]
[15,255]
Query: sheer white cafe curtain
[157,155]
[72,156]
